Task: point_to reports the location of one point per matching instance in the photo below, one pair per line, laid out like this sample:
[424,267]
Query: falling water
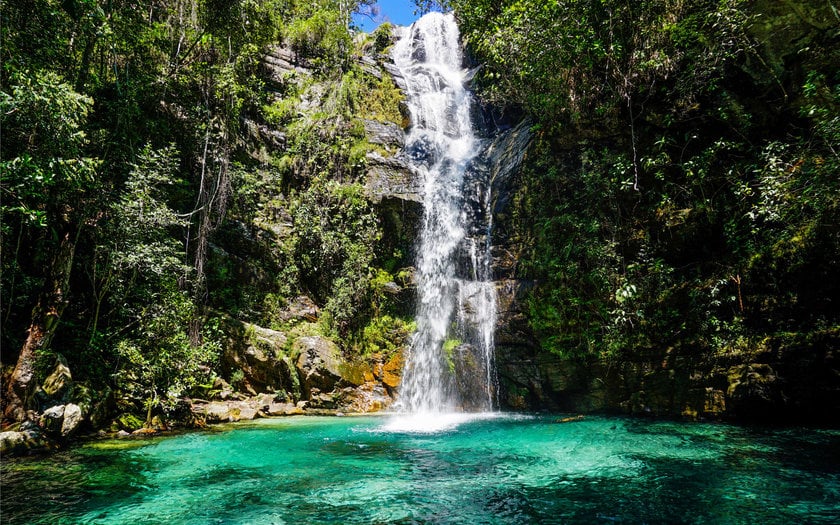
[449,363]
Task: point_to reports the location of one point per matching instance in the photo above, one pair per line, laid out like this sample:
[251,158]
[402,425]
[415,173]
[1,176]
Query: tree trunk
[45,317]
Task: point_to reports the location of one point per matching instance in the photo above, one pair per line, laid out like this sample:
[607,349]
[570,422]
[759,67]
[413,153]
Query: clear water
[491,469]
[449,362]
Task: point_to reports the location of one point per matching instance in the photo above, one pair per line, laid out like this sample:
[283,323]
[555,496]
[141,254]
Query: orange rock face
[391,372]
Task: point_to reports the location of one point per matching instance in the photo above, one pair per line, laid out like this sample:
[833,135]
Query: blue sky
[398,12]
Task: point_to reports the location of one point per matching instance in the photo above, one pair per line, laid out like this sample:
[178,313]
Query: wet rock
[504,155]
[396,75]
[512,327]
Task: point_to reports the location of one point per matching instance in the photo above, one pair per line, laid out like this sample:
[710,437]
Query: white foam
[433,422]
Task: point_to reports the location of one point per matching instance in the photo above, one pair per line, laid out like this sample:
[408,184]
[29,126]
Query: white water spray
[449,366]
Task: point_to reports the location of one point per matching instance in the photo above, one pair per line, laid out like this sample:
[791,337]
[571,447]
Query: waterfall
[449,365]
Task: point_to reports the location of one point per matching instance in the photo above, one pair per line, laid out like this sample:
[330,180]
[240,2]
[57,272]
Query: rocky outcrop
[318,364]
[392,178]
[24,441]
[280,64]
[386,134]
[58,384]
[61,421]
[258,354]
[230,411]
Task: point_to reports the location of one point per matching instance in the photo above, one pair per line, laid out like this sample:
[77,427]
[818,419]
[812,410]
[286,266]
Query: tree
[45,180]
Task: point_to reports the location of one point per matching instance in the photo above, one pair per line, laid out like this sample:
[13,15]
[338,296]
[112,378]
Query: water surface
[496,469]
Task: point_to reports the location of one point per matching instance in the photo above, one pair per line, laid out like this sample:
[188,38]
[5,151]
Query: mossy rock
[128,422]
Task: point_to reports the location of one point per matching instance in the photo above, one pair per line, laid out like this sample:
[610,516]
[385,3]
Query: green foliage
[336,237]
[382,38]
[662,208]
[386,335]
[320,33]
[44,167]
[159,364]
[123,132]
[379,99]
[573,62]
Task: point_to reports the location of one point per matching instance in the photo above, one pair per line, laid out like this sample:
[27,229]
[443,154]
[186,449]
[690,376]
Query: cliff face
[676,298]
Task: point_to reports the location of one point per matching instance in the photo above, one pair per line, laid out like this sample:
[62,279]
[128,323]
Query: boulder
[259,353]
[322,401]
[61,421]
[247,413]
[52,420]
[72,420]
[318,363]
[370,397]
[355,373]
[126,422]
[218,412]
[234,410]
[22,442]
